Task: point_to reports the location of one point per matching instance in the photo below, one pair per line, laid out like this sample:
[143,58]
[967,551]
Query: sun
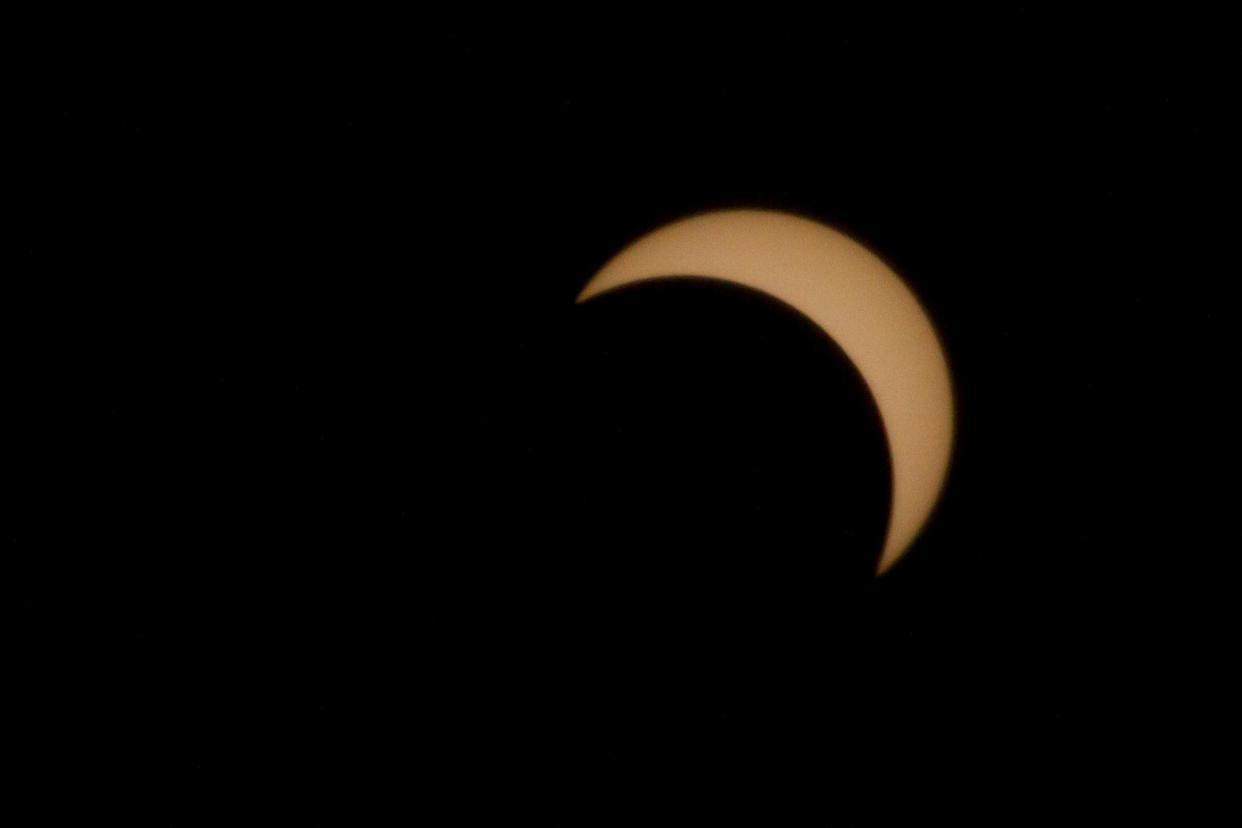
[857,300]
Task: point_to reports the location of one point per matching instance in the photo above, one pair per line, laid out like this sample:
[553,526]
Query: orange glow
[857,300]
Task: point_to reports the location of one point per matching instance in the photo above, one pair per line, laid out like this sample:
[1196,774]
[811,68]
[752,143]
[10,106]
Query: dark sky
[328,498]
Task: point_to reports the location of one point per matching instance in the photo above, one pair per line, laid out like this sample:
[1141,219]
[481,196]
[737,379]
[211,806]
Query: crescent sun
[857,300]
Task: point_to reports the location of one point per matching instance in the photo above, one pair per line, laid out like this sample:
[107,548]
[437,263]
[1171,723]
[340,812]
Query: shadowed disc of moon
[725,453]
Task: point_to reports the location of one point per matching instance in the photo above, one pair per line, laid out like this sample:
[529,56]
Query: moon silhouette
[857,300]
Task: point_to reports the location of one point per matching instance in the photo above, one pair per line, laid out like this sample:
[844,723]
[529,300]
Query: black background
[329,503]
